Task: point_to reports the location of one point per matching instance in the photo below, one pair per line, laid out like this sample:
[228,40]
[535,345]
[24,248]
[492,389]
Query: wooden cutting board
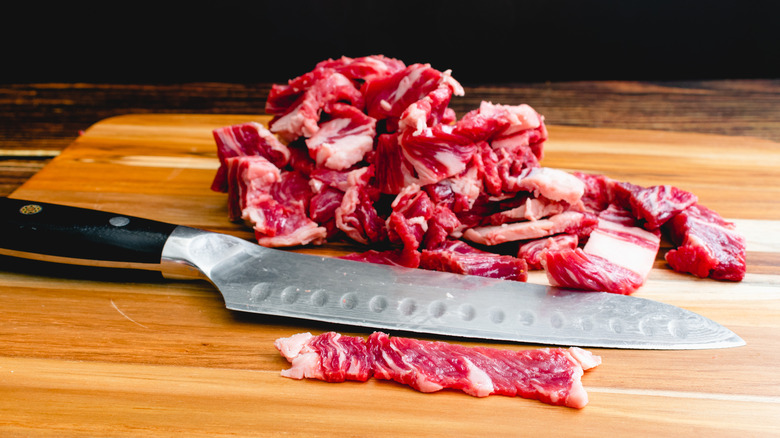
[112,354]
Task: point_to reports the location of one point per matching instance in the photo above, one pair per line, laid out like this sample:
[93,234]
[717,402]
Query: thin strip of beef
[392,257]
[550,375]
[460,258]
[569,222]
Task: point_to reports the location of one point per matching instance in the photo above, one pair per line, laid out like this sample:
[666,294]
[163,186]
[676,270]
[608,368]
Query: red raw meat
[553,184]
[509,127]
[576,269]
[301,117]
[282,219]
[388,97]
[380,159]
[275,203]
[282,97]
[597,195]
[616,258]
[330,357]
[460,258]
[569,222]
[246,139]
[356,216]
[364,68]
[707,245]
[435,153]
[393,257]
[322,208]
[511,166]
[533,250]
[486,162]
[393,170]
[655,205]
[424,159]
[251,180]
[528,208]
[408,222]
[442,225]
[619,215]
[344,139]
[443,194]
[428,111]
[550,375]
[630,247]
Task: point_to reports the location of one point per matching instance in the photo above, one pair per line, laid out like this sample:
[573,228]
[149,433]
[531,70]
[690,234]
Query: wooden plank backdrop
[117,354]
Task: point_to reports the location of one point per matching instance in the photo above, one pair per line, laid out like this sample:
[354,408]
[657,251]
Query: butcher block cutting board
[117,354]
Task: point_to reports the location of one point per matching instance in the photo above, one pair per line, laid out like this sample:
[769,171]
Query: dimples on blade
[260,280]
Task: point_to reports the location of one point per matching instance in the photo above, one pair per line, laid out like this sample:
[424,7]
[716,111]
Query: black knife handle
[64,234]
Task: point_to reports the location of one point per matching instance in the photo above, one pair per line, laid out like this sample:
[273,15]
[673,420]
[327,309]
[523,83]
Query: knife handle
[80,236]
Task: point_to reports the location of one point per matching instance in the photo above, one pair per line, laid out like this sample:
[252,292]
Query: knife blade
[256,279]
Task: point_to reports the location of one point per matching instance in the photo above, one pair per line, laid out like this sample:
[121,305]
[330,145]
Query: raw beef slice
[707,245]
[551,375]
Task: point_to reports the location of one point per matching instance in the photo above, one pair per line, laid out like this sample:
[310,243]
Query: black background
[491,41]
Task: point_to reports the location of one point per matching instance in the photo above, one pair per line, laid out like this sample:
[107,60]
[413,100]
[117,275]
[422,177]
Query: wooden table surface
[69,366]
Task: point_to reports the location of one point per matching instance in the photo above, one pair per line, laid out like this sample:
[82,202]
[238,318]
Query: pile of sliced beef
[368,150]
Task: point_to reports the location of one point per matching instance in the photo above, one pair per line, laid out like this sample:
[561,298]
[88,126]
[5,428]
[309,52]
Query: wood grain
[85,352]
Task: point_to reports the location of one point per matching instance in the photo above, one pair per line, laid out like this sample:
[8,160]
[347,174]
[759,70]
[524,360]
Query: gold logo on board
[30,209]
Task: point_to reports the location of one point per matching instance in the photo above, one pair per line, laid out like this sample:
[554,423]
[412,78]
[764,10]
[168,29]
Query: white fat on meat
[404,85]
[405,193]
[521,117]
[553,184]
[633,248]
[228,138]
[480,383]
[467,184]
[414,118]
[339,148]
[349,203]
[305,362]
[585,358]
[525,230]
[298,122]
[532,209]
[452,162]
[457,88]
[577,396]
[308,233]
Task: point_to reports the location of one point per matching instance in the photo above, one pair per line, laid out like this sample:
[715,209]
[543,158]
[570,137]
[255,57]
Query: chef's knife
[269,281]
